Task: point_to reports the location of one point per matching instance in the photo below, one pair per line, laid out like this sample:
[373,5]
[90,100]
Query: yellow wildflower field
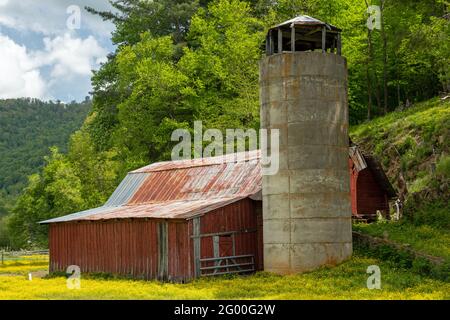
[346,281]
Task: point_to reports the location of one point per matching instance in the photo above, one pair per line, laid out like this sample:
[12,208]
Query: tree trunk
[384,37]
[369,92]
[369,70]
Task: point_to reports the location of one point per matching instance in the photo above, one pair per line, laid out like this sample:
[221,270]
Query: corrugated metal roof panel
[180,189]
[126,189]
[80,215]
[184,209]
[214,180]
[201,162]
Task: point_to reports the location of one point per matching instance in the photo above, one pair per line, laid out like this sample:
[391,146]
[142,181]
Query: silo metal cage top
[303,33]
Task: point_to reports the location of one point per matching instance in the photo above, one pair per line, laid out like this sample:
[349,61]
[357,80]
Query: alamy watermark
[374,20]
[74,280]
[374,280]
[73,22]
[236,140]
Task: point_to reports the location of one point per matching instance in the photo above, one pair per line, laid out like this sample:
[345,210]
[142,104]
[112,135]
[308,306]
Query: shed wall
[239,217]
[132,247]
[127,247]
[370,196]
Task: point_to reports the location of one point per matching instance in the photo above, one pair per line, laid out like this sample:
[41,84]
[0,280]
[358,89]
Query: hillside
[28,128]
[415,142]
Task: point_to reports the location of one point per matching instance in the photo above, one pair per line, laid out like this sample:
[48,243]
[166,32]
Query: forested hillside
[28,128]
[414,148]
[181,61]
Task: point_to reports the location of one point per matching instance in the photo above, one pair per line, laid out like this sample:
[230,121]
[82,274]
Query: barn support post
[216,248]
[324,40]
[339,44]
[197,239]
[280,41]
[293,38]
[163,251]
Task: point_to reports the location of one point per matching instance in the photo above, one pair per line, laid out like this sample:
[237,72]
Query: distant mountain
[28,128]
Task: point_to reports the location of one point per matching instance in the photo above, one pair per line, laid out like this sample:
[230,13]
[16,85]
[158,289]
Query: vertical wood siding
[127,247]
[369,195]
[241,217]
[132,247]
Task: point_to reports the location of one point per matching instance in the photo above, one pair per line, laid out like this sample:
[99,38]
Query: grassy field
[424,238]
[347,281]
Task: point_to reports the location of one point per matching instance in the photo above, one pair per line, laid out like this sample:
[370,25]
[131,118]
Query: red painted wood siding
[127,247]
[353,186]
[180,264]
[370,196]
[240,216]
[130,247]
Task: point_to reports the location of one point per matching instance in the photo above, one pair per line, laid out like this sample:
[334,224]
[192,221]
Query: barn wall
[240,217]
[132,247]
[370,196]
[179,252]
[353,186]
[127,247]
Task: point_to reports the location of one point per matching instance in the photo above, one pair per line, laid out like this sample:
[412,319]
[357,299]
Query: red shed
[369,185]
[170,221]
[184,219]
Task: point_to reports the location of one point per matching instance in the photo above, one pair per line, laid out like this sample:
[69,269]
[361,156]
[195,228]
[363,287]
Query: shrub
[443,167]
[433,213]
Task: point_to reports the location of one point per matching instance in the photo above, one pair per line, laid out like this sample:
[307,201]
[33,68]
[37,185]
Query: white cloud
[50,17]
[70,60]
[61,61]
[19,75]
[71,56]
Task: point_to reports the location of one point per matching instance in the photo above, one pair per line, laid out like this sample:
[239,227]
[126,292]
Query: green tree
[57,191]
[222,64]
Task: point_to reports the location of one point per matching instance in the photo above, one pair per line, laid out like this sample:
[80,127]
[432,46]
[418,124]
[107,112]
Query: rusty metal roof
[183,209]
[180,189]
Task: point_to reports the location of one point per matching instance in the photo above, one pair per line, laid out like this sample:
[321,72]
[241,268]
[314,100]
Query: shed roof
[180,189]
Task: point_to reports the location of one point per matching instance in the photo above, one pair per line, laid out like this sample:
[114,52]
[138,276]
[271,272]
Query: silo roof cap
[306,21]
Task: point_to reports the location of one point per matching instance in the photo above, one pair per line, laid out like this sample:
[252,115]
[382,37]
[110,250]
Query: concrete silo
[303,92]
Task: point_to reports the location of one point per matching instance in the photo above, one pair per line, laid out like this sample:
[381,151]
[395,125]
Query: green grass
[423,238]
[406,140]
[346,281]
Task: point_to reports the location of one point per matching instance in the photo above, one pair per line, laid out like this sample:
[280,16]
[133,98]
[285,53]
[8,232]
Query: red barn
[369,185]
[171,221]
[181,220]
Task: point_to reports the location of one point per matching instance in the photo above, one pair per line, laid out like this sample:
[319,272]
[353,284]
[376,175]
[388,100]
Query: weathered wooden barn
[170,221]
[184,219]
[369,185]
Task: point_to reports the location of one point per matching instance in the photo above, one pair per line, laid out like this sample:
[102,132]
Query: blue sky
[49,47]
